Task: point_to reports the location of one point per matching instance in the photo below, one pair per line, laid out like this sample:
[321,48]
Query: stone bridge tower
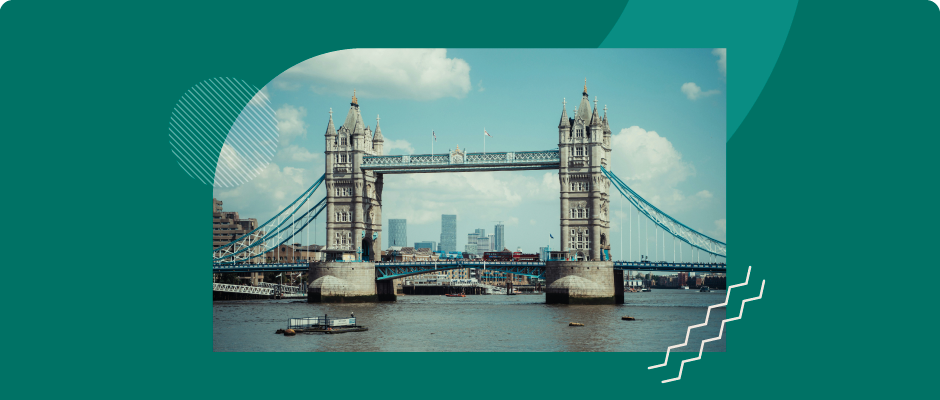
[584,147]
[354,197]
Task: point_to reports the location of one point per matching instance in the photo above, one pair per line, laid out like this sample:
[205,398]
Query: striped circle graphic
[223,132]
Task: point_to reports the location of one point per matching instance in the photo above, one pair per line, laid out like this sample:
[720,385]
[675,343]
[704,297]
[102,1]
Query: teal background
[832,107]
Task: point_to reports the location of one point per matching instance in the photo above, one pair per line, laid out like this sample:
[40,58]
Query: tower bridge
[356,165]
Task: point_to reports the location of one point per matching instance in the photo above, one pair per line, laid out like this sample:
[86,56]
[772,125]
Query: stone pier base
[579,282]
[342,282]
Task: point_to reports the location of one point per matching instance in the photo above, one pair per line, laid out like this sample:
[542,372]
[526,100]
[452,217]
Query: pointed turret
[564,116]
[606,123]
[353,124]
[378,131]
[584,109]
[595,120]
[330,130]
[377,139]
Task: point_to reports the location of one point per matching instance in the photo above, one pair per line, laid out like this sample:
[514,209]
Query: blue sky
[666,109]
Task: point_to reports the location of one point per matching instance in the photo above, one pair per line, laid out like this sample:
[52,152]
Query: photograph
[468,200]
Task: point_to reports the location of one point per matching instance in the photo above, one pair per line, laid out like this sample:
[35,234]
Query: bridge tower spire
[354,211]
[583,148]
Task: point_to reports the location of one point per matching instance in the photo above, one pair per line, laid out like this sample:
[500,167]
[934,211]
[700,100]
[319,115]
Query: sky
[666,109]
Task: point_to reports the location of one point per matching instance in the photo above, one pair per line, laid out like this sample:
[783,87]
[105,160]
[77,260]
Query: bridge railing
[225,287]
[283,288]
[418,160]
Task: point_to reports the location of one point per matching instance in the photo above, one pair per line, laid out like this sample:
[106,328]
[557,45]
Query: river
[478,323]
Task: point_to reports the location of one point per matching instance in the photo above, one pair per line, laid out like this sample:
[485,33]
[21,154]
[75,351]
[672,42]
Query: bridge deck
[425,163]
[392,270]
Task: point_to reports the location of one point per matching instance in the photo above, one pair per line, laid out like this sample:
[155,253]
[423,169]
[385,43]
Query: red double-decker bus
[498,256]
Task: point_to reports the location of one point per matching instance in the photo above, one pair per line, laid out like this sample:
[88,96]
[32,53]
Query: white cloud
[285,85]
[693,91]
[704,194]
[296,153]
[233,168]
[420,74]
[550,181]
[290,123]
[400,144]
[480,86]
[722,60]
[650,165]
[291,126]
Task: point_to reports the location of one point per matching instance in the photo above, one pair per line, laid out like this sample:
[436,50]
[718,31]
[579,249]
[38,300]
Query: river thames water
[478,323]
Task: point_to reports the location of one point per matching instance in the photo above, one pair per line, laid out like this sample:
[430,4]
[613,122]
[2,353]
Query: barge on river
[325,324]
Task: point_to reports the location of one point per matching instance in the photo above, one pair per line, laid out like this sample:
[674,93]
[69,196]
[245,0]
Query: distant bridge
[535,269]
[264,289]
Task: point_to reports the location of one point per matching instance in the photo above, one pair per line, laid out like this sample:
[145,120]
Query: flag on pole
[487,133]
[550,235]
[435,136]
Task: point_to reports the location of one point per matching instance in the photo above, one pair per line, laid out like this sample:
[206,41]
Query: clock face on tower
[458,159]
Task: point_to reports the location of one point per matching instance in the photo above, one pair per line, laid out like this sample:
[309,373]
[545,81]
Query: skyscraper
[448,233]
[500,237]
[397,232]
[483,242]
[472,240]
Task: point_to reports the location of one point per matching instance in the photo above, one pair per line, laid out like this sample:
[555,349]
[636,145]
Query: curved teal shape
[753,32]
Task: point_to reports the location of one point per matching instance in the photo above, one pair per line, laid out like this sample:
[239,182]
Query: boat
[705,289]
[684,288]
[455,295]
[647,290]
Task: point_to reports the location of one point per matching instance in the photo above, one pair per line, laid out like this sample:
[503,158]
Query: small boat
[456,295]
[684,288]
[647,290]
[705,289]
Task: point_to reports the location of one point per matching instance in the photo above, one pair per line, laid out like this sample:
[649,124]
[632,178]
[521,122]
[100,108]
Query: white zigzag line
[719,333]
[707,314]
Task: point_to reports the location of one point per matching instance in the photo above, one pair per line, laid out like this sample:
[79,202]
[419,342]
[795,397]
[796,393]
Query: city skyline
[666,107]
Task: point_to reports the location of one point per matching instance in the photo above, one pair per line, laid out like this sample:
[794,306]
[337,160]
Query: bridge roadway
[394,270]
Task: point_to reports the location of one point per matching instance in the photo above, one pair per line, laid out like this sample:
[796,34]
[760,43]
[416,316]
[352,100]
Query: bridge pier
[342,282]
[385,290]
[580,282]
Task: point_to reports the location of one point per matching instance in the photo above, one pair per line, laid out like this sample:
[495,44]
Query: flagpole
[484,141]
[432,145]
